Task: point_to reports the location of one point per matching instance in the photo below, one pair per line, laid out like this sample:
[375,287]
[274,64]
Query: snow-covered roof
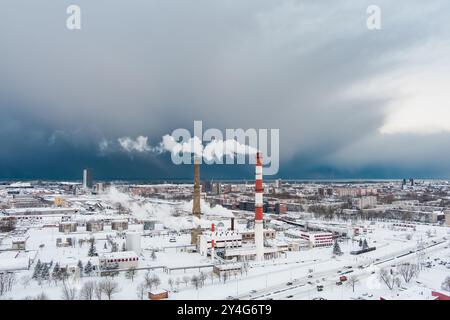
[119,255]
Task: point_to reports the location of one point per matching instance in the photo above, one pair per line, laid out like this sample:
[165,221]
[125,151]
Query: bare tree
[446,284]
[408,271]
[211,276]
[170,283]
[148,280]
[109,287]
[87,291]
[68,293]
[131,273]
[225,277]
[98,291]
[155,280]
[25,281]
[186,280]
[352,281]
[389,279]
[7,279]
[195,281]
[202,277]
[140,290]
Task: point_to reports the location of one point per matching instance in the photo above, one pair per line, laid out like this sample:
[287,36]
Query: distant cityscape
[228,240]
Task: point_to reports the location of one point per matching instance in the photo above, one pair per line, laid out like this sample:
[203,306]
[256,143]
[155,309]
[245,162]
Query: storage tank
[134,242]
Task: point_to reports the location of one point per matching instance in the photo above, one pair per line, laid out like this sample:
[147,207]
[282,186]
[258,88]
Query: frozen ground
[269,279]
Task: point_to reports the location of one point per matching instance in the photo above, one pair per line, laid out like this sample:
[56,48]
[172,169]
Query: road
[327,278]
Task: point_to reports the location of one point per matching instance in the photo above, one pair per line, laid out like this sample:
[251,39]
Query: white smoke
[145,210]
[216,149]
[139,144]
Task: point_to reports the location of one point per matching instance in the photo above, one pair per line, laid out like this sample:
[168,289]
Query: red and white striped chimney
[259,232]
[212,241]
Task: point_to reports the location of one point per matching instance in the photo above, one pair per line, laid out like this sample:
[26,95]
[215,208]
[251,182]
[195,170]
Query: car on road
[289,296]
[289,283]
[320,288]
[338,283]
[319,298]
[230,298]
[310,276]
[309,282]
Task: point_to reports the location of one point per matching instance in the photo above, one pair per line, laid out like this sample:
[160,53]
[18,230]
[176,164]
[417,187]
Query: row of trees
[392,278]
[106,287]
[7,279]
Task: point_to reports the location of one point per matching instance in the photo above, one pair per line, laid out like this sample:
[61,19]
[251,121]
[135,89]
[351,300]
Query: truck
[342,278]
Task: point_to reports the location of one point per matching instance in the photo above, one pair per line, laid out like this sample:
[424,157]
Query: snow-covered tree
[80,267]
[337,249]
[37,270]
[153,255]
[92,250]
[365,245]
[45,273]
[88,268]
[446,284]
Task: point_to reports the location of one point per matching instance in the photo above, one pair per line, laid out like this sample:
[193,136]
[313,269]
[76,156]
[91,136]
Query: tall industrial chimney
[259,232]
[196,211]
[212,242]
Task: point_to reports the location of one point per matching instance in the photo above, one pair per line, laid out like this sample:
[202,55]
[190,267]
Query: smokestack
[212,242]
[259,232]
[232,224]
[196,211]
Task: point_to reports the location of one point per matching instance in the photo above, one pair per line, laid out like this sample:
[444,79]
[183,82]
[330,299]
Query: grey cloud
[146,68]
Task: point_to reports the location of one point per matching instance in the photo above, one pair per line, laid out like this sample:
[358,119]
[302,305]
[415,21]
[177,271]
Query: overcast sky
[349,102]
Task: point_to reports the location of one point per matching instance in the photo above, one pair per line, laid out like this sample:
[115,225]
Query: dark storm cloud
[148,67]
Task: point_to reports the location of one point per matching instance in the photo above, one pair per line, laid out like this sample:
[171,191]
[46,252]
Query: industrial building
[119,260]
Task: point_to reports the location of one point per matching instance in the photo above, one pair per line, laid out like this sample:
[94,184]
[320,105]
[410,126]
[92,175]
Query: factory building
[94,225]
[249,235]
[314,239]
[119,260]
[222,239]
[119,225]
[67,227]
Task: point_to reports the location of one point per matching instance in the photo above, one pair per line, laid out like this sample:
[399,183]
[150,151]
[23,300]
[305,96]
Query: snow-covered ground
[269,279]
